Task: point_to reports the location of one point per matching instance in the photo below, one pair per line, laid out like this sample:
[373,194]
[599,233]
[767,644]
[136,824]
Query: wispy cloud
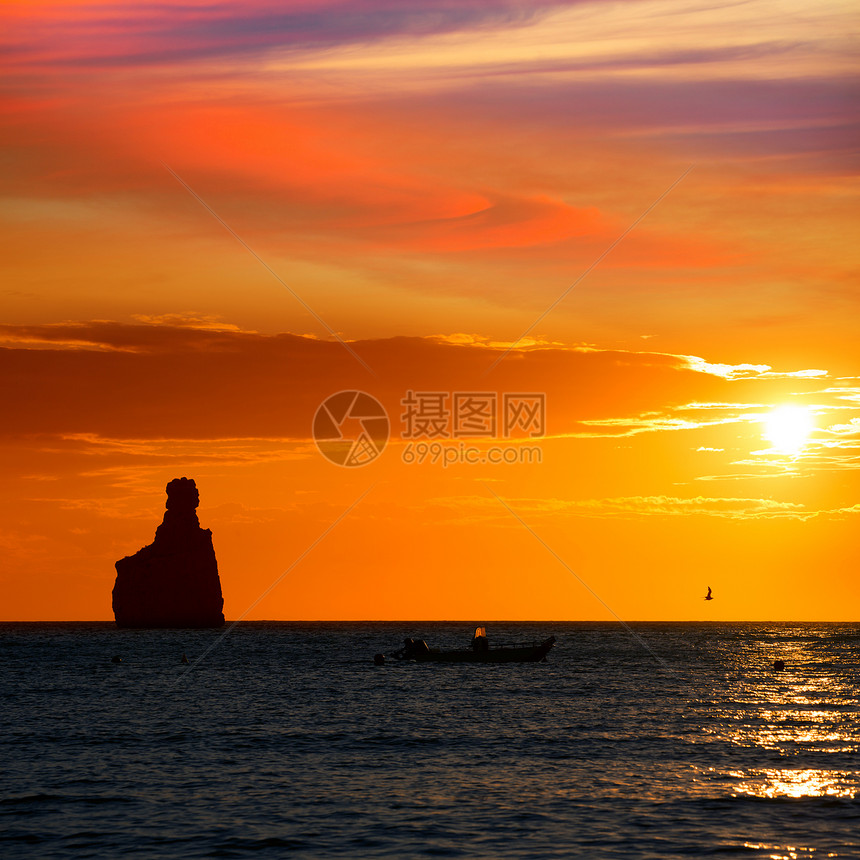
[182,371]
[471,508]
[751,371]
[134,34]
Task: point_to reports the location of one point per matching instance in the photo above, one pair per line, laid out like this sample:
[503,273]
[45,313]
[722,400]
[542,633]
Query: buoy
[779,665]
[116,659]
[184,659]
[379,659]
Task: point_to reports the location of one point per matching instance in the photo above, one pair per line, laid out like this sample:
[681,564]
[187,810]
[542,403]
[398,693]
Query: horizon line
[450,621]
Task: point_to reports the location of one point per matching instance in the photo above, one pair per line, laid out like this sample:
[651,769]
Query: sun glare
[788,427]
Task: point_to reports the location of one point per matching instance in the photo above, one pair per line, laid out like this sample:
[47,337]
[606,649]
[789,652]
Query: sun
[787,428]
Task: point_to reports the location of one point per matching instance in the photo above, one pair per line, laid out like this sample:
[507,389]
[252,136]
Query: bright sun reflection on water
[779,852]
[806,713]
[787,428]
[795,783]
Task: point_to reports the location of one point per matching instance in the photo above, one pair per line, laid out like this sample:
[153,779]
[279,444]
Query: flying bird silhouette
[709,594]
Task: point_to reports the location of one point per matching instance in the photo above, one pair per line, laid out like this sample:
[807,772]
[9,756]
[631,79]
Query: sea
[285,739]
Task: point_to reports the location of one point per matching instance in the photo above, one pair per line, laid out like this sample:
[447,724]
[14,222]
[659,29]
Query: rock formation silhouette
[174,581]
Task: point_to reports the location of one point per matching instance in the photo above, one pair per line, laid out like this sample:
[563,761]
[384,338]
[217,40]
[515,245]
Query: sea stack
[174,581]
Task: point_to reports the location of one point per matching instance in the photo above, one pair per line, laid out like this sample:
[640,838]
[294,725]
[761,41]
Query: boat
[479,651]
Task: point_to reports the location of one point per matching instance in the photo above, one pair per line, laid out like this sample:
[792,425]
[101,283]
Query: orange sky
[427,179]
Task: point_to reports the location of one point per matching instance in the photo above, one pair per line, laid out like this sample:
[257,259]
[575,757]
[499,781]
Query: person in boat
[479,640]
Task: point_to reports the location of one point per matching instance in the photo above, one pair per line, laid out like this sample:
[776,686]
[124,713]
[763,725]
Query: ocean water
[286,740]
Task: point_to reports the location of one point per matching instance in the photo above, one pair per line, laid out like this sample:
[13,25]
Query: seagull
[709,594]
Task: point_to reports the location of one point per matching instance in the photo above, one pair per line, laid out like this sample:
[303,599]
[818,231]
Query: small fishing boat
[479,651]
